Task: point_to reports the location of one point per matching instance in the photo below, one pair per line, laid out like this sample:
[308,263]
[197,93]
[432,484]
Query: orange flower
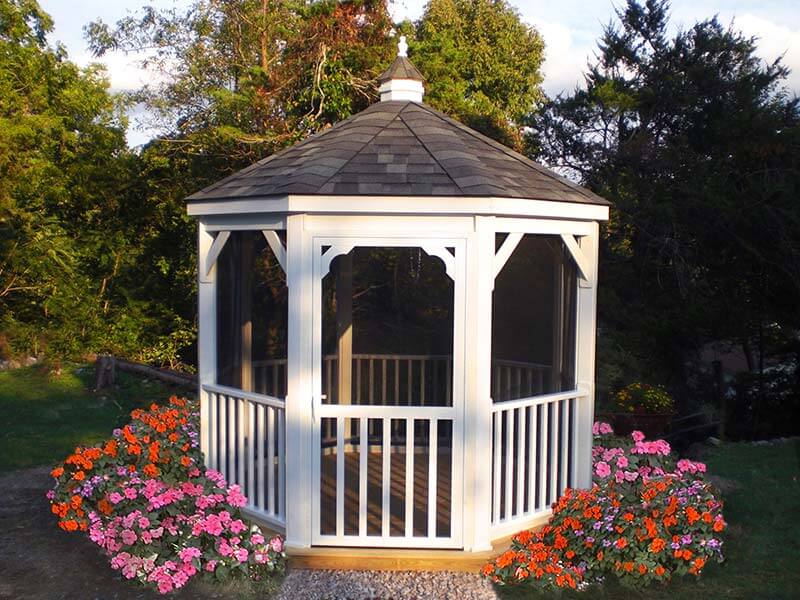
[642,569]
[628,516]
[660,571]
[79,476]
[488,569]
[57,472]
[692,515]
[621,543]
[110,448]
[134,449]
[687,554]
[505,559]
[657,545]
[719,524]
[186,461]
[104,506]
[699,563]
[150,470]
[628,566]
[173,437]
[600,555]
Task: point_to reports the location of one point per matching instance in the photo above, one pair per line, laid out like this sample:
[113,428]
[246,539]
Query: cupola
[402,80]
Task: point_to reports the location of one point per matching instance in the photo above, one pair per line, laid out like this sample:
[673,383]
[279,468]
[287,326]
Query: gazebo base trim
[396,559]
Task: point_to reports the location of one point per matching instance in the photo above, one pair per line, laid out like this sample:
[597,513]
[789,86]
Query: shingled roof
[398,148]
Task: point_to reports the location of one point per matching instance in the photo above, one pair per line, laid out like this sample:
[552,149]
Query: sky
[570,29]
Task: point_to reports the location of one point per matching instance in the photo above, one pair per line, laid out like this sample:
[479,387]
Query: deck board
[374,494]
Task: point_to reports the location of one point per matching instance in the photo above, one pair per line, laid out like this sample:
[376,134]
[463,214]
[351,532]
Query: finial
[402,47]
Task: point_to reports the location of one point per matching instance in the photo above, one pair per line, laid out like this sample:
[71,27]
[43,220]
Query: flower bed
[647,518]
[145,498]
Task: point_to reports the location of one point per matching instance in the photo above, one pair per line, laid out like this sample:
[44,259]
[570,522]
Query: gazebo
[397,331]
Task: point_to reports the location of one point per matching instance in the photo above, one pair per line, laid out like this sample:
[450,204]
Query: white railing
[516,379]
[533,456]
[406,379]
[400,485]
[246,443]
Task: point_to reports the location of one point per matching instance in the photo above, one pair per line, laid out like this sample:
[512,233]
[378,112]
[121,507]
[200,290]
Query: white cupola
[402,80]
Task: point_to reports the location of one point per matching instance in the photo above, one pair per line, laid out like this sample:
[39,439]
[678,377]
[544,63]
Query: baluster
[386,476]
[262,473]
[433,455]
[363,455]
[409,497]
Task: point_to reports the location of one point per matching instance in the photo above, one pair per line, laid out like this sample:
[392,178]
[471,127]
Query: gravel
[301,584]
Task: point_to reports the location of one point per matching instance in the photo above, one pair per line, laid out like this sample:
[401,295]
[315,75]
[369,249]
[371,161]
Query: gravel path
[303,584]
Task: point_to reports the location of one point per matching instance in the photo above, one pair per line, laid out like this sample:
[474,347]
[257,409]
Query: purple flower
[686,539]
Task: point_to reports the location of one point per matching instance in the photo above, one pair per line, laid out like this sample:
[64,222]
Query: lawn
[762,548]
[44,416]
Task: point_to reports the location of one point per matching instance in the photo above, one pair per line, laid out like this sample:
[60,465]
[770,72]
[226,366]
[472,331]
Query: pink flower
[600,428]
[237,526]
[622,462]
[602,469]
[241,555]
[213,525]
[225,549]
[637,436]
[276,544]
[187,554]
[115,497]
[128,537]
[257,539]
[210,566]
[144,522]
[130,493]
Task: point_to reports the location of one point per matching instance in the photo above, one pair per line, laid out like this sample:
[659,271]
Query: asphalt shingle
[398,148]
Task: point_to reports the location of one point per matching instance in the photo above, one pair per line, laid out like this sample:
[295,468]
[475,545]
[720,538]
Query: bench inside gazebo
[396,332]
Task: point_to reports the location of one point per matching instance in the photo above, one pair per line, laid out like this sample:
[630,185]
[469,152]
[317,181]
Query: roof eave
[400,205]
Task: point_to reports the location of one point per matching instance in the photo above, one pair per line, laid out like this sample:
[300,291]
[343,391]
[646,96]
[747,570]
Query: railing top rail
[387,411]
[518,363]
[537,400]
[251,396]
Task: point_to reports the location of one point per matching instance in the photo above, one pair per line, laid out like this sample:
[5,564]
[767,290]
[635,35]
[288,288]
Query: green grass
[762,545]
[44,416]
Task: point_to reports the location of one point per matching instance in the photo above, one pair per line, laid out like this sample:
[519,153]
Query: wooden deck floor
[375,494]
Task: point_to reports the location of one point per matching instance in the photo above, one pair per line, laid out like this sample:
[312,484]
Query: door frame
[455,265]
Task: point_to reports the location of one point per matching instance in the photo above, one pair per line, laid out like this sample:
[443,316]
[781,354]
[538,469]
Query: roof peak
[402,80]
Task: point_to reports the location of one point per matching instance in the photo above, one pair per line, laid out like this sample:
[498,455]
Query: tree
[240,79]
[482,64]
[696,143]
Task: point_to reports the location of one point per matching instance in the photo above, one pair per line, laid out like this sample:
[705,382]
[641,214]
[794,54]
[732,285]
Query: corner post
[585,361]
[478,417]
[206,329]
[299,466]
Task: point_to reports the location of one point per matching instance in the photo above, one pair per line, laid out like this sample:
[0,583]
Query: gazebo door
[388,392]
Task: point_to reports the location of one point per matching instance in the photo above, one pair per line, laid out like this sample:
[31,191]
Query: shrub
[162,518]
[641,398]
[646,519]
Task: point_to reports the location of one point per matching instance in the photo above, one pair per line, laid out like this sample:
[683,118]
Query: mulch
[39,561]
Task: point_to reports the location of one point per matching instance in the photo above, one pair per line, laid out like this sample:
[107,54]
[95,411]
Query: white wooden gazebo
[397,331]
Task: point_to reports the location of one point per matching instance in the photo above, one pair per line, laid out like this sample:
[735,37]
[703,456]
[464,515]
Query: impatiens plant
[646,519]
[162,518]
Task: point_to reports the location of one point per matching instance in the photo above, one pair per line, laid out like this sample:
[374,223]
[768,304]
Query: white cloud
[774,40]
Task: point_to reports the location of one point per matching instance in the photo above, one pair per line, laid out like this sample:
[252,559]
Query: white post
[299,466]
[206,329]
[478,409]
[585,361]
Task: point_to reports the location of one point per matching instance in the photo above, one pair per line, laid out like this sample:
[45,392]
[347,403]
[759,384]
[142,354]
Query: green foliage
[481,64]
[696,143]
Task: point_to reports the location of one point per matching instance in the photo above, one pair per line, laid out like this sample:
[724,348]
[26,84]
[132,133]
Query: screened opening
[533,320]
[391,311]
[387,340]
[251,316]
